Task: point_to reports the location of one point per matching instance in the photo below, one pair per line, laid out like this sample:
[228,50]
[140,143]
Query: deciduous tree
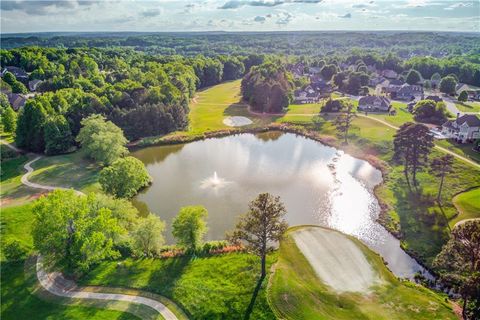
[413,77]
[148,235]
[463,96]
[9,119]
[102,140]
[448,84]
[124,177]
[189,227]
[69,233]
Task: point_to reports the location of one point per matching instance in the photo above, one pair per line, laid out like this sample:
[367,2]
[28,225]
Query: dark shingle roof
[471,119]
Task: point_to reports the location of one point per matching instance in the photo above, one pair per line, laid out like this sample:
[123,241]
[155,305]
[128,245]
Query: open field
[296,292]
[216,287]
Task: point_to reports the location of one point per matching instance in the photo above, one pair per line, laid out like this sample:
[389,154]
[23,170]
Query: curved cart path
[52,282]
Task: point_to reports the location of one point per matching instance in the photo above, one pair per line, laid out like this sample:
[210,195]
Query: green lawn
[19,303]
[71,170]
[468,205]
[12,191]
[16,223]
[218,287]
[297,293]
[400,118]
[468,106]
[463,149]
[213,104]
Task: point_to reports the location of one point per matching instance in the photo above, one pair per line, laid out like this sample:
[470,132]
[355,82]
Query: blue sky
[239,15]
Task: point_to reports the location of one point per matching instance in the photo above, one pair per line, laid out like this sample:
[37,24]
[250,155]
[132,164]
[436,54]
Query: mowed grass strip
[295,292]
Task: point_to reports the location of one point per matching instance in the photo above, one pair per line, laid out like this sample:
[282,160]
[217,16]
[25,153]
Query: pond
[318,184]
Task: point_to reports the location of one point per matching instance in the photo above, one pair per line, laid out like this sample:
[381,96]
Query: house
[374,103]
[409,92]
[463,129]
[307,95]
[389,74]
[16,100]
[32,85]
[373,82]
[461,87]
[391,86]
[19,73]
[473,94]
[434,98]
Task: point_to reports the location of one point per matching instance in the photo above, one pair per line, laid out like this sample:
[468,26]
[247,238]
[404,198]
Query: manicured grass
[19,303]
[213,104]
[217,287]
[16,224]
[463,149]
[12,191]
[400,118]
[296,292]
[468,205]
[468,106]
[71,170]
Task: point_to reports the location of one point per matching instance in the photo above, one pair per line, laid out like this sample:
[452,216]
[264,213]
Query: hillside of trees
[143,94]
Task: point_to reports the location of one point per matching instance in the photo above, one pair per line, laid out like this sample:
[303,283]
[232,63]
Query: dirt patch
[336,259]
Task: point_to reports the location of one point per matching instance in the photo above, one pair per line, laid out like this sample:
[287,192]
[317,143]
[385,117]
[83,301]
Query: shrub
[14,250]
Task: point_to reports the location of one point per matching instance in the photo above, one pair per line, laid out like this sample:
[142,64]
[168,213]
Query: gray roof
[370,100]
[471,119]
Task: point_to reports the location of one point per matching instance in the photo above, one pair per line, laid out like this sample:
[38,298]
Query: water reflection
[318,184]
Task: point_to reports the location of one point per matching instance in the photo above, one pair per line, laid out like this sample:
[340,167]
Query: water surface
[318,184]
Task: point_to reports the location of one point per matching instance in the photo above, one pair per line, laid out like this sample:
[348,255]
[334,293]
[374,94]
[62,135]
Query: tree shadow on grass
[249,310]
[422,222]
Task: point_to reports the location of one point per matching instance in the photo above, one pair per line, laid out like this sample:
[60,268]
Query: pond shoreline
[330,141]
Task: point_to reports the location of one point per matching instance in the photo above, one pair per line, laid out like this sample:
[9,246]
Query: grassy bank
[297,293]
[217,287]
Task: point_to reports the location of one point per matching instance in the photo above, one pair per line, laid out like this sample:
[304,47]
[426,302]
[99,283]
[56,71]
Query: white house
[463,129]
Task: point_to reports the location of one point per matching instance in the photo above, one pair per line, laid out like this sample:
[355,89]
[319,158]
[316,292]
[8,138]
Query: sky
[238,15]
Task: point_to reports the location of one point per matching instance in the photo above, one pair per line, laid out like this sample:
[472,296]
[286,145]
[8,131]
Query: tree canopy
[124,177]
[70,233]
[189,227]
[102,140]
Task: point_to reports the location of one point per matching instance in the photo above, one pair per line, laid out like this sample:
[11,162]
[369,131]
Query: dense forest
[143,94]
[405,44]
[143,82]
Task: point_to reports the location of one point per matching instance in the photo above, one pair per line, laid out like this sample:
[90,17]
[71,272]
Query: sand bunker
[237,121]
[336,259]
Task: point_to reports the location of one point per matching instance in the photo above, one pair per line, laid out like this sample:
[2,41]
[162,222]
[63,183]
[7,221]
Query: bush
[14,250]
